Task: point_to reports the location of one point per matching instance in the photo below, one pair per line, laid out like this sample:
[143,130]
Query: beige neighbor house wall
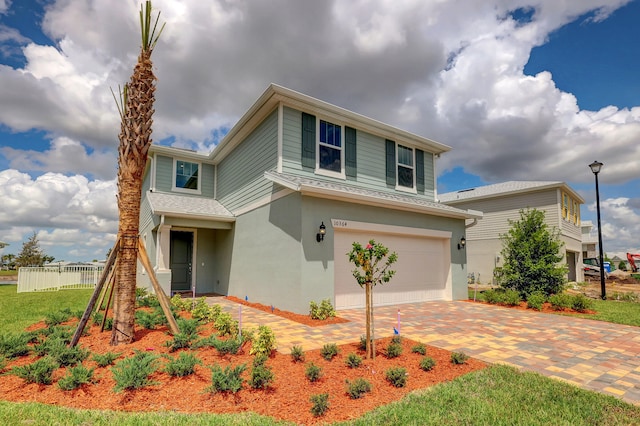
[484,245]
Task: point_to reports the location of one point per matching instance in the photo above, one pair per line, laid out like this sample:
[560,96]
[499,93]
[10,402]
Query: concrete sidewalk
[594,355]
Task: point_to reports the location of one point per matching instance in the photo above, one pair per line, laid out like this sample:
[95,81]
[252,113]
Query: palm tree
[136,111]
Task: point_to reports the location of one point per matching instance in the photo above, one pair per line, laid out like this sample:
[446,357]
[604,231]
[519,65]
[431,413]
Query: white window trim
[324,172]
[175,171]
[414,189]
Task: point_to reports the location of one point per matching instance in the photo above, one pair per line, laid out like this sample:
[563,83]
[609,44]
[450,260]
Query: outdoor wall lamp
[321,231]
[462,243]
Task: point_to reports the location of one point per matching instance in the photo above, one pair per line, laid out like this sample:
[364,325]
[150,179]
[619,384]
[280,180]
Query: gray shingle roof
[336,190]
[184,205]
[498,189]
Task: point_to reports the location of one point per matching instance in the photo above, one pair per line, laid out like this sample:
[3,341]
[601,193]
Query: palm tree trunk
[135,138]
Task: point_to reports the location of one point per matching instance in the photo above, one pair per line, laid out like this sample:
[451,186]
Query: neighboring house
[272,211]
[501,203]
[589,240]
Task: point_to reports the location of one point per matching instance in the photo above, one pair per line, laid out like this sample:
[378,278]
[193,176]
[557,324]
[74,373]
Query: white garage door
[422,270]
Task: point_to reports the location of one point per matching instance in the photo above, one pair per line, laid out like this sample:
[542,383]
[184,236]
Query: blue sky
[531,90]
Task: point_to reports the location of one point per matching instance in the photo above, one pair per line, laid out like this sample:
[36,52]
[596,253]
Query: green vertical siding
[429,190]
[291,141]
[240,174]
[164,173]
[207,180]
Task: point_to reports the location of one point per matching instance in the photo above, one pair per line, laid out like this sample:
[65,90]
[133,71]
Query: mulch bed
[286,399]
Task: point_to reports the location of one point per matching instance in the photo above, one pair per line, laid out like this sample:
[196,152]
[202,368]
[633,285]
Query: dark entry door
[180,260]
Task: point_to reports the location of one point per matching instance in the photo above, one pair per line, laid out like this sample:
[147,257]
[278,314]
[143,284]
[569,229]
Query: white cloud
[65,211]
[620,218]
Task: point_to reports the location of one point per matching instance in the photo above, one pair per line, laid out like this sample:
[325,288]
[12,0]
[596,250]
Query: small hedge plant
[133,373]
[313,372]
[320,404]
[459,357]
[358,388]
[329,351]
[323,311]
[226,380]
[76,377]
[353,360]
[427,363]
[397,376]
[561,301]
[40,371]
[536,300]
[297,354]
[264,343]
[183,365]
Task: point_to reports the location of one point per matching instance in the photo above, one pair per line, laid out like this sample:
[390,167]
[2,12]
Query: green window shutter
[391,162]
[420,171]
[308,140]
[351,168]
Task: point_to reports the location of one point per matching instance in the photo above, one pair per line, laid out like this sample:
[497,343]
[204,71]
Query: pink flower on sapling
[369,247]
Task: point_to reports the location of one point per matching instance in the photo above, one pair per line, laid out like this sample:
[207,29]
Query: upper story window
[405,167]
[570,209]
[330,149]
[186,176]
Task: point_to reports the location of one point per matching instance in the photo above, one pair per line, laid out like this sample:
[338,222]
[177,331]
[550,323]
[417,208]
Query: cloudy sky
[520,89]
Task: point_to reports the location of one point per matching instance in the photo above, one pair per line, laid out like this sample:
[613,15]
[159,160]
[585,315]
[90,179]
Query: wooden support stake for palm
[162,297]
[96,293]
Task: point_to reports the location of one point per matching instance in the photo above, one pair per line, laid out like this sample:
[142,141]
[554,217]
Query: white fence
[54,278]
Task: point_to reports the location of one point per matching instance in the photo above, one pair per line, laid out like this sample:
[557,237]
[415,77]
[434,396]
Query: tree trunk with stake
[136,111]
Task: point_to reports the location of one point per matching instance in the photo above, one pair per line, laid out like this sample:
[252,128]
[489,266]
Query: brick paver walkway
[591,354]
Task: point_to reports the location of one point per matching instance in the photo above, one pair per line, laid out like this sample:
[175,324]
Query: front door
[180,260]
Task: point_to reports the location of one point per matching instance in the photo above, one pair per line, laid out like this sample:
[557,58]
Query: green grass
[35,414]
[501,395]
[20,310]
[8,273]
[615,312]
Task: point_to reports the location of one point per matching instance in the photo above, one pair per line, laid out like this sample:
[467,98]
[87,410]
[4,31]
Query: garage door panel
[421,270]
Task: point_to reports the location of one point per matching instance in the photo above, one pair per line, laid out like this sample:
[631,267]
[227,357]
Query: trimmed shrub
[358,388]
[14,345]
[493,296]
[313,372]
[512,298]
[76,377]
[420,348]
[393,350]
[459,357]
[427,363]
[260,359]
[226,380]
[320,404]
[581,303]
[353,360]
[105,359]
[536,300]
[297,354]
[397,339]
[205,313]
[40,371]
[264,342]
[363,343]
[227,346]
[181,304]
[329,351]
[323,311]
[397,376]
[133,373]
[261,376]
[182,365]
[149,320]
[226,325]
[55,318]
[561,301]
[187,335]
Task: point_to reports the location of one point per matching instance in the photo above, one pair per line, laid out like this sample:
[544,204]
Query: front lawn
[20,310]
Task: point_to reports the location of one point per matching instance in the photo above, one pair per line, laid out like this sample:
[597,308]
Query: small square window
[186,175]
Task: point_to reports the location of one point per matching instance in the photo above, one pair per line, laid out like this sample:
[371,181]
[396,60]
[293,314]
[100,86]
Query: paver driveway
[592,354]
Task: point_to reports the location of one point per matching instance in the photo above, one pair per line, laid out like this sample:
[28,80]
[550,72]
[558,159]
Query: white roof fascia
[551,185]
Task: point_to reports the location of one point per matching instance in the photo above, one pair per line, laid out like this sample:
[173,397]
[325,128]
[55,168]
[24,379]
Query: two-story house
[271,213]
[501,203]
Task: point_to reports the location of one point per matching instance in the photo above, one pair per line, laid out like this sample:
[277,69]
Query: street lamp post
[595,168]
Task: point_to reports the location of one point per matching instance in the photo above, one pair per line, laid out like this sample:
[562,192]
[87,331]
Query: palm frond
[121,100]
[149,37]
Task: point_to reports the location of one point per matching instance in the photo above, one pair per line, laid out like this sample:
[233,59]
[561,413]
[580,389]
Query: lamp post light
[595,168]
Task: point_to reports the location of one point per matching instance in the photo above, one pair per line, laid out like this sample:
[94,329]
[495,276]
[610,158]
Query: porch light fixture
[321,231]
[462,243]
[595,168]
